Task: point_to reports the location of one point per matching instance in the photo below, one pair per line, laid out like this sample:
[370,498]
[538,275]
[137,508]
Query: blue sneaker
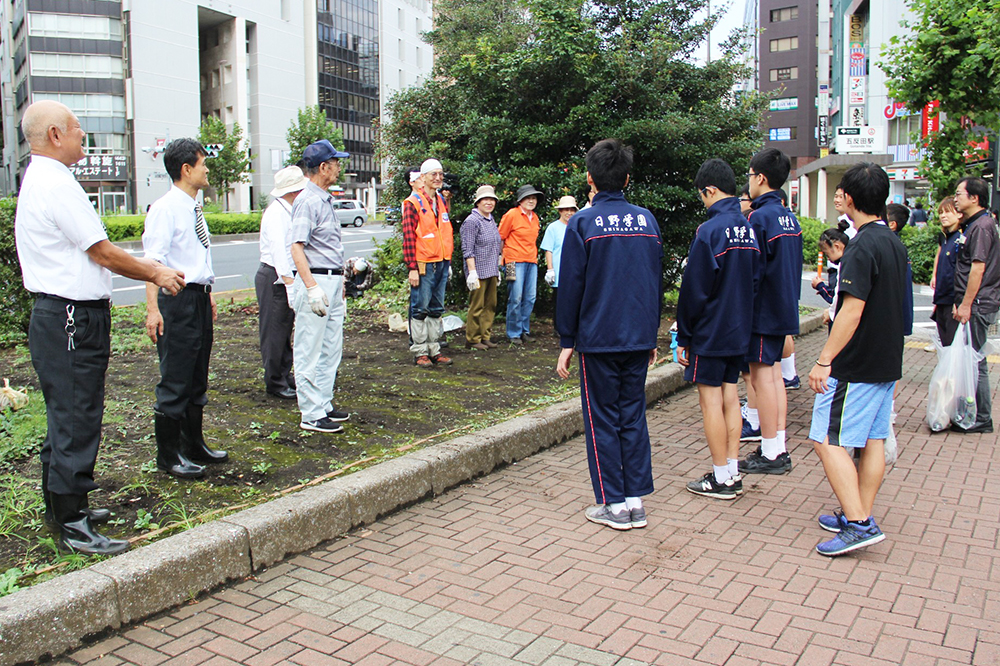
[748,434]
[851,537]
[833,523]
[793,383]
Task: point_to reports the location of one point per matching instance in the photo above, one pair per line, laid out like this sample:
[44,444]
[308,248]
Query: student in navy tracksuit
[714,317]
[776,308]
[609,311]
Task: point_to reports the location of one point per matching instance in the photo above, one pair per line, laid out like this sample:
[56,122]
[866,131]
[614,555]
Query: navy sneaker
[833,523]
[707,486]
[756,463]
[749,434]
[851,537]
[793,383]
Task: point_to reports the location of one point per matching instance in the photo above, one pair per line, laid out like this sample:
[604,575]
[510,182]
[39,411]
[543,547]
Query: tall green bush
[922,245]
[15,301]
[129,227]
[811,230]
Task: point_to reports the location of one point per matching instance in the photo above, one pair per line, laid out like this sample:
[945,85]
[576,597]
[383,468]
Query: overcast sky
[733,18]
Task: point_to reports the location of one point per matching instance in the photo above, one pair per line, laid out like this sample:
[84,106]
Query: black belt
[200,288]
[103,304]
[323,271]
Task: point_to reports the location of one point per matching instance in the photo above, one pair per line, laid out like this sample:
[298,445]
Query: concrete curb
[55,616]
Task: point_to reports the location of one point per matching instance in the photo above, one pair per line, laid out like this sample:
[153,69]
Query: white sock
[753,418]
[721,473]
[781,441]
[618,507]
[734,467]
[770,448]
[633,503]
[788,367]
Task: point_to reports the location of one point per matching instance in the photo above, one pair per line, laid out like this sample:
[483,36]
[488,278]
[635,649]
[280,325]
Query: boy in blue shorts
[858,367]
[714,311]
[776,307]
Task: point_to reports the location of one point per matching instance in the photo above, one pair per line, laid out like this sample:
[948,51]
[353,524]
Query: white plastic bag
[952,393]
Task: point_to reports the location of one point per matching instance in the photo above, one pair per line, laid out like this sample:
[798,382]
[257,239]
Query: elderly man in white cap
[273,284]
[427,245]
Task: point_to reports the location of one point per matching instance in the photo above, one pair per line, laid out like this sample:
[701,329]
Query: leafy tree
[15,301]
[523,88]
[311,126]
[952,54]
[232,165]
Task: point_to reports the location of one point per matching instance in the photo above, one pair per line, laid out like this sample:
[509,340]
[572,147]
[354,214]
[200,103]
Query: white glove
[318,300]
[550,277]
[290,295]
[472,280]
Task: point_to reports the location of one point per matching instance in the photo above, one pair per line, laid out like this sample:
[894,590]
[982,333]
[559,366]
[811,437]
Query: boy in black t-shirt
[858,367]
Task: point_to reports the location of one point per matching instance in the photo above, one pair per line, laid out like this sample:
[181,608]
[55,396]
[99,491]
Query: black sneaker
[707,486]
[322,425]
[337,416]
[985,426]
[756,463]
[738,484]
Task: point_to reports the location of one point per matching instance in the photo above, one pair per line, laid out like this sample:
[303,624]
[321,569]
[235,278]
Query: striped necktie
[200,227]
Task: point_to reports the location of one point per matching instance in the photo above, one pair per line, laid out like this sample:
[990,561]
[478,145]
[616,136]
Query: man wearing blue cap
[314,236]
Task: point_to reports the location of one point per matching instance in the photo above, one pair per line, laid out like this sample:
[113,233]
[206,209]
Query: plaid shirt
[481,241]
[409,223]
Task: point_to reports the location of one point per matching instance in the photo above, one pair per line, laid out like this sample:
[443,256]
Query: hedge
[15,301]
[129,227]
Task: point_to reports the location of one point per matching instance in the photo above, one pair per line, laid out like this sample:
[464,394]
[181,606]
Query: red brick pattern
[505,570]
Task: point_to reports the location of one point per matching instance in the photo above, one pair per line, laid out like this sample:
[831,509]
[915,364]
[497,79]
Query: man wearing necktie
[181,326]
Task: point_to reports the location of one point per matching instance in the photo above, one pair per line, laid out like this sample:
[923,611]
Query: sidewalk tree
[310,126]
[523,88]
[951,55]
[232,165]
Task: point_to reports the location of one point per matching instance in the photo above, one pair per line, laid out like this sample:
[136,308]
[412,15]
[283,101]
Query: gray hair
[40,117]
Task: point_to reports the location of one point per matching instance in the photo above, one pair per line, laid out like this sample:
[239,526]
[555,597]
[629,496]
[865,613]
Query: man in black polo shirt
[977,284]
[858,367]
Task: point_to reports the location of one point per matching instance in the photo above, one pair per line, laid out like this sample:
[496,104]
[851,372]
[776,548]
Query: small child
[832,243]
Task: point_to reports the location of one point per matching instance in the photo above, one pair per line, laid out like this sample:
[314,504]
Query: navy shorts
[765,349]
[713,370]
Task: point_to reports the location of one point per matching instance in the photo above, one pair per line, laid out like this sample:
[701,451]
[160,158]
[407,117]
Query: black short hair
[919,205]
[833,234]
[718,173]
[180,152]
[784,198]
[843,225]
[897,213]
[774,165]
[976,187]
[745,192]
[609,163]
[868,186]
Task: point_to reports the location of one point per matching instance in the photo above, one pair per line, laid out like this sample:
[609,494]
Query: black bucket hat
[527,191]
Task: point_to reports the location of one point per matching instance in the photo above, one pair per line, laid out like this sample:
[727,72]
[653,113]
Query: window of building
[420,57]
[784,14]
[784,44]
[903,128]
[88,105]
[782,133]
[79,66]
[400,19]
[784,74]
[74,26]
[104,144]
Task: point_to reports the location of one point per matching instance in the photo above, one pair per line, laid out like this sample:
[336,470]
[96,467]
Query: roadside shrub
[922,245]
[129,227]
[811,229]
[15,301]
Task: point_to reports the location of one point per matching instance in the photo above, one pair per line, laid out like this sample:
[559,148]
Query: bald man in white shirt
[66,261]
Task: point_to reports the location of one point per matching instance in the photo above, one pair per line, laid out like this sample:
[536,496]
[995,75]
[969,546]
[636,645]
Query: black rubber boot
[76,532]
[193,438]
[96,515]
[168,449]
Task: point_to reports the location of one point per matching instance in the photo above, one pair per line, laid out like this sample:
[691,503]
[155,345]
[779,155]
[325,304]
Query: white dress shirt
[274,251]
[171,239]
[55,226]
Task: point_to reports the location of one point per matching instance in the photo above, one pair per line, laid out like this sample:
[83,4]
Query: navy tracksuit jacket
[776,308]
[715,304]
[609,311]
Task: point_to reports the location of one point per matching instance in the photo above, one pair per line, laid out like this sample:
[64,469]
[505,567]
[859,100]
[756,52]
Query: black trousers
[184,349]
[276,322]
[72,383]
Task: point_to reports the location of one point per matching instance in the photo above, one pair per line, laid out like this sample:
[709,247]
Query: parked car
[393,214]
[350,211]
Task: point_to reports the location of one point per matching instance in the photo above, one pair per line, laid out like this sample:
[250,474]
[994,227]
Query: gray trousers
[979,325]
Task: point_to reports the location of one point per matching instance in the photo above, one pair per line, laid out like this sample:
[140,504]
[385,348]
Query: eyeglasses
[752,174]
[746,199]
[704,191]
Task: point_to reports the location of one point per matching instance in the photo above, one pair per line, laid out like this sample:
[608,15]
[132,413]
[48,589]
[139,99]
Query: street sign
[863,139]
[101,167]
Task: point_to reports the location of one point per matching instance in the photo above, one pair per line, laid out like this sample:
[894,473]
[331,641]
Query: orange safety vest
[435,240]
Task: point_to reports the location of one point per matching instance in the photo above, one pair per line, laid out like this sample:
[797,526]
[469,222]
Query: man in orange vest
[427,246]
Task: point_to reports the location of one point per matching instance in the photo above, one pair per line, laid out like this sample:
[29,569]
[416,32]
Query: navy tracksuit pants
[613,392]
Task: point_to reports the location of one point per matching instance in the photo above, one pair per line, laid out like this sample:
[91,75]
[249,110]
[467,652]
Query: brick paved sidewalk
[506,570]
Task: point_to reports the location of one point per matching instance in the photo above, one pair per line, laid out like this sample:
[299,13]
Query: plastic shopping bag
[952,393]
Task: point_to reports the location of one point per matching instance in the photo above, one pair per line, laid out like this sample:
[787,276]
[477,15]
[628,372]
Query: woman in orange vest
[519,230]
